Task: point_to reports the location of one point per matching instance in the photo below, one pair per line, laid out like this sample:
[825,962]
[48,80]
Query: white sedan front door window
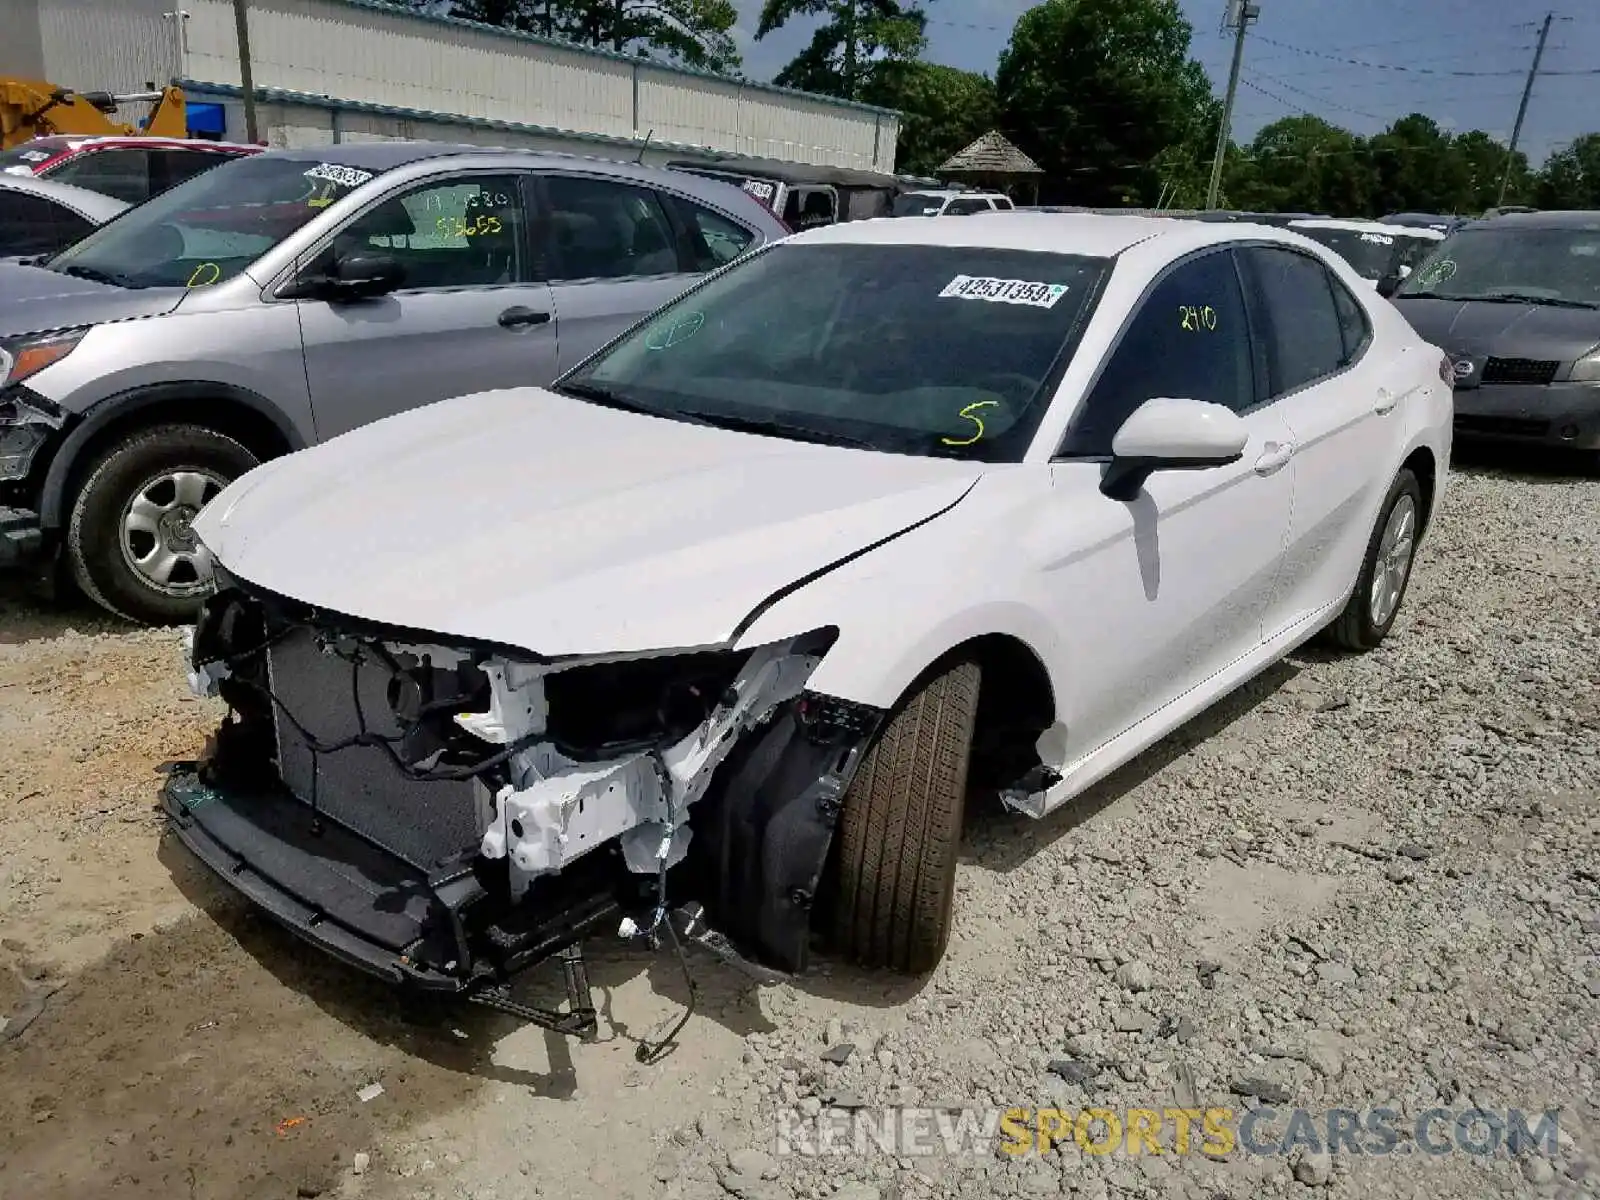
[1174,583]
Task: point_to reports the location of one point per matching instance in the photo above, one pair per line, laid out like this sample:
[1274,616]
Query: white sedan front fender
[901,607]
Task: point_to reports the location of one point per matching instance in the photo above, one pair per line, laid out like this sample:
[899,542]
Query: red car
[130,168]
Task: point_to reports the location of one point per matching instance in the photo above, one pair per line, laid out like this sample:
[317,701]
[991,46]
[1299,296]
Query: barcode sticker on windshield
[1378,239]
[1004,291]
[344,176]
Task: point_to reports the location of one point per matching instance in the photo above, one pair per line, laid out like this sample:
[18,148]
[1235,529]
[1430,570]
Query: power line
[966,24]
[1432,37]
[1357,62]
[1290,104]
[1311,96]
[1436,58]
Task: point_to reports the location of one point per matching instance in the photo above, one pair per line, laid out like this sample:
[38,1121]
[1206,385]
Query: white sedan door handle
[1385,402]
[1274,457]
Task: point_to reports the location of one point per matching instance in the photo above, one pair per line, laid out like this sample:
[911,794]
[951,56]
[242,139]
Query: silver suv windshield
[210,227]
[917,204]
[932,350]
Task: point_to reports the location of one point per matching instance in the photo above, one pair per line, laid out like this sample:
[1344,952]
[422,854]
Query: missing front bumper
[365,906]
[458,881]
[763,837]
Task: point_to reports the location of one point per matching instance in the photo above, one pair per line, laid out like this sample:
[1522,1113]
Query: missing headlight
[425,698]
[601,710]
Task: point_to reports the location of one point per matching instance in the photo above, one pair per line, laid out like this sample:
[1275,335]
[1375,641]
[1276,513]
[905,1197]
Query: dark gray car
[284,298]
[1515,302]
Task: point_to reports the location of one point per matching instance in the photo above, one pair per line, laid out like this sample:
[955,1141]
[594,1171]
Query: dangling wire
[648,1051]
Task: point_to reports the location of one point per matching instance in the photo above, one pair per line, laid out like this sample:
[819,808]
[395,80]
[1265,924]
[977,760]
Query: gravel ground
[1357,883]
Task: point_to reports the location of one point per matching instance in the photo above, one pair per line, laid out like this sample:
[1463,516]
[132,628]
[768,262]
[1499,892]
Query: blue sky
[1494,38]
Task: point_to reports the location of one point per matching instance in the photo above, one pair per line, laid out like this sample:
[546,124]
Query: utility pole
[1240,14]
[241,25]
[1522,109]
[849,49]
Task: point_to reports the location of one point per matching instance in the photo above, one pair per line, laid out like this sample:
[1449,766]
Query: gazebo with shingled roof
[992,161]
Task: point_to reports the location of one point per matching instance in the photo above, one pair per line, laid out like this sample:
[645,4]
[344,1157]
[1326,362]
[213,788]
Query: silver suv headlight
[26,356]
[23,357]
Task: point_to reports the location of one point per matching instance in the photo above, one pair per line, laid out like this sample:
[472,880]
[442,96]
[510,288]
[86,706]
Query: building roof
[401,10]
[791,173]
[992,154]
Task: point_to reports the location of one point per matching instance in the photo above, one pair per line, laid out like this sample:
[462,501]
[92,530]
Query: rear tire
[1367,617]
[134,508]
[901,829]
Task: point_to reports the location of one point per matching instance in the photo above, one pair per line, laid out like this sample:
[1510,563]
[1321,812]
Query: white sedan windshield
[917,349]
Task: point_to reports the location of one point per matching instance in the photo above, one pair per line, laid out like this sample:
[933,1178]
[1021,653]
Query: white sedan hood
[533,520]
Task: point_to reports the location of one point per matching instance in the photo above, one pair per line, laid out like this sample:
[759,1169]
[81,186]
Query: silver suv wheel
[157,542]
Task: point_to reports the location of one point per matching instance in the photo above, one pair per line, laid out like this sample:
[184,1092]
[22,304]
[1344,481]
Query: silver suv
[948,203]
[284,298]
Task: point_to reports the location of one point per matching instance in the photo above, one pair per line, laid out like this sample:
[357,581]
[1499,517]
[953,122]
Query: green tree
[1415,168]
[1184,171]
[942,110]
[1096,90]
[1484,159]
[1571,176]
[696,32]
[544,17]
[1306,164]
[858,41]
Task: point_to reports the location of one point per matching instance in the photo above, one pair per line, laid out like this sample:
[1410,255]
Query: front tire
[129,546]
[901,829]
[1386,570]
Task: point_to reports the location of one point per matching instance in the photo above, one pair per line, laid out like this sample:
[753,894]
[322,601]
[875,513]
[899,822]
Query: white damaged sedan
[732,619]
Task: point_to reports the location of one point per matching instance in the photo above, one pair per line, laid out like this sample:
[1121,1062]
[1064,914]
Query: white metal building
[335,70]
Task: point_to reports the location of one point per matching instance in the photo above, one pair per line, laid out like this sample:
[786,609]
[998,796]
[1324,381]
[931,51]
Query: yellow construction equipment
[30,108]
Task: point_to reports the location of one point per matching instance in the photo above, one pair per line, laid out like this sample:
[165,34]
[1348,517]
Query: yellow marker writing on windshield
[978,421]
[196,281]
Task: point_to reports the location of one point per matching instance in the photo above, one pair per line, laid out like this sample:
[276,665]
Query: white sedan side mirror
[1169,434]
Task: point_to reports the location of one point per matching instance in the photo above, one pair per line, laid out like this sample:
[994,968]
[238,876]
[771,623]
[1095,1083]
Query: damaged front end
[446,815]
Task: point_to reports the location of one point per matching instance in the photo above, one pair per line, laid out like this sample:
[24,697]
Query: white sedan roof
[1354,226]
[1090,234]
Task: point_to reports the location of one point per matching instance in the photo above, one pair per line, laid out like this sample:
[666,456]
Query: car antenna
[640,160]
